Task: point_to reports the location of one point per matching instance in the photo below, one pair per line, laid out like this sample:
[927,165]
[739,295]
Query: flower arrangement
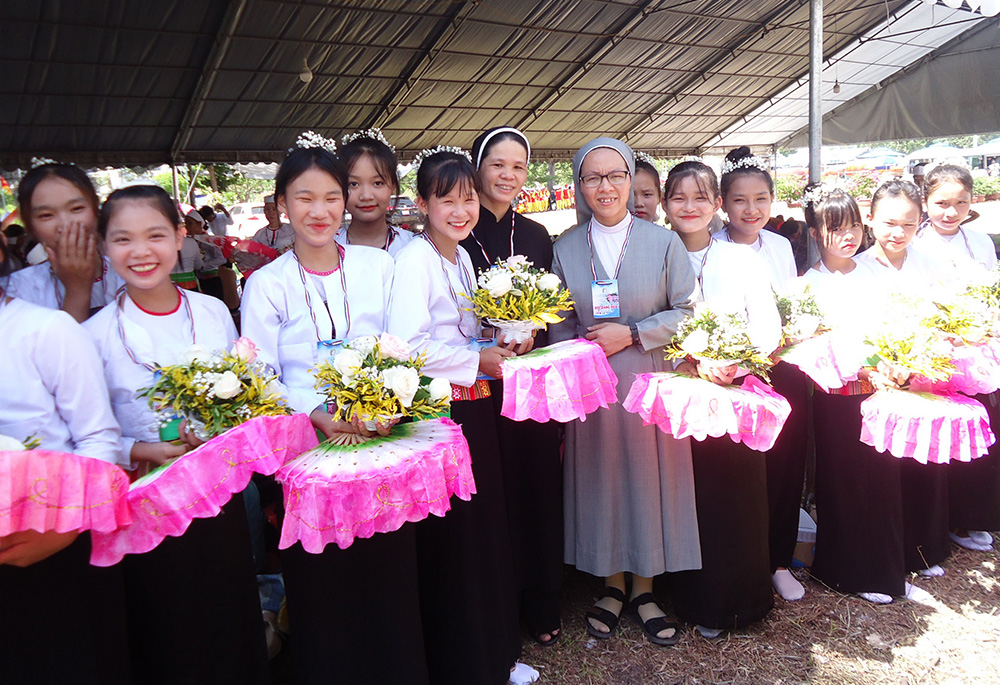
[903,338]
[960,318]
[517,298]
[985,287]
[216,391]
[376,380]
[9,444]
[801,317]
[720,339]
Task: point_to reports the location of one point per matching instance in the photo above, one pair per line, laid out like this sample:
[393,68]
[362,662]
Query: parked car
[248,218]
[405,213]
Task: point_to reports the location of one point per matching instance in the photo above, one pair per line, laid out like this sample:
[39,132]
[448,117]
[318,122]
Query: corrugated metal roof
[127,82]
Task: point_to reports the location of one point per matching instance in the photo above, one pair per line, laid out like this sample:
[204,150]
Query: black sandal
[653,626]
[553,637]
[608,618]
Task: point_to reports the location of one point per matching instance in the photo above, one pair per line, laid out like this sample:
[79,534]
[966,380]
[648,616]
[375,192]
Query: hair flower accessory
[41,161]
[753,161]
[821,191]
[645,157]
[373,133]
[311,139]
[424,154]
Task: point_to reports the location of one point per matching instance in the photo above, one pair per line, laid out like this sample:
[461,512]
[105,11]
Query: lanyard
[390,235]
[760,239]
[102,279]
[463,276]
[704,260]
[483,249]
[312,313]
[120,296]
[590,243]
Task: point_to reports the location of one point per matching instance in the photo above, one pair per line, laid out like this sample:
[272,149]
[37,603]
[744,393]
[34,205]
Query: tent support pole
[177,187]
[815,90]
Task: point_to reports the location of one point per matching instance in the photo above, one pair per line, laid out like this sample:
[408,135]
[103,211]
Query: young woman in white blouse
[468,595]
[154,323]
[296,309]
[52,388]
[732,589]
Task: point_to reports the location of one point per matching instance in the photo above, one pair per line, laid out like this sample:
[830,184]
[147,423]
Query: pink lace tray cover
[752,413]
[198,484]
[248,255]
[45,491]
[825,359]
[561,382]
[977,371]
[932,429]
[335,493]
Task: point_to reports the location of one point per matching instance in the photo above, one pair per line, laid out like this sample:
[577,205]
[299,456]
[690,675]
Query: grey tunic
[629,489]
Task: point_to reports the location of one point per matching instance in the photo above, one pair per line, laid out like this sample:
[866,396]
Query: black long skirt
[859,531]
[533,481]
[925,513]
[733,587]
[974,487]
[786,465]
[193,611]
[64,621]
[467,592]
[355,612]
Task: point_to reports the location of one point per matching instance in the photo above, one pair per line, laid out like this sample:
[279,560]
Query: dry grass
[825,638]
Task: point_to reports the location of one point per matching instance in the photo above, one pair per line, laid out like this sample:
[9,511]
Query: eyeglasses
[615,178]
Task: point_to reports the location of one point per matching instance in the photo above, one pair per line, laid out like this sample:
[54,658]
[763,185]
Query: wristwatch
[634,329]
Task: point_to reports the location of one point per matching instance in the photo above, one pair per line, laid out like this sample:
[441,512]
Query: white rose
[696,342]
[807,325]
[549,282]
[403,382]
[518,260]
[348,363]
[364,345]
[439,389]
[196,352]
[274,388]
[499,284]
[394,348]
[228,386]
[9,444]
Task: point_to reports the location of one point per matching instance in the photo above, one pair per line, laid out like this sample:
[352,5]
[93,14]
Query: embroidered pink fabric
[932,429]
[45,491]
[681,406]
[336,493]
[561,382]
[197,485]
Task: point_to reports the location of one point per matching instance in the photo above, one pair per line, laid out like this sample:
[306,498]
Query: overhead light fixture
[954,4]
[990,8]
[306,74]
[836,87]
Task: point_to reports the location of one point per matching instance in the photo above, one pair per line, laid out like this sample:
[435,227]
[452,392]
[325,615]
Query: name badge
[605,296]
[478,345]
[326,350]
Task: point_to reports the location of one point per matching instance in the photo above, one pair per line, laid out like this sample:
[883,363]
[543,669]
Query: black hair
[6,263]
[155,196]
[14,230]
[897,188]
[440,172]
[943,173]
[734,157]
[480,153]
[643,165]
[832,210]
[383,159]
[206,212]
[699,171]
[67,172]
[301,160]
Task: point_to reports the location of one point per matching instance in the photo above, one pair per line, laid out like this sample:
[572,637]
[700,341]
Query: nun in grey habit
[629,498]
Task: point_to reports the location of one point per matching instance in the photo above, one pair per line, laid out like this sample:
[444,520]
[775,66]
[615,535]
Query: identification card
[605,296]
[478,345]
[326,350]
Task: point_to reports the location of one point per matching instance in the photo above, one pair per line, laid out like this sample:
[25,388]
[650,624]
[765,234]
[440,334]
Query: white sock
[934,571]
[710,633]
[787,586]
[981,537]
[523,674]
[970,542]
[918,595]
[876,597]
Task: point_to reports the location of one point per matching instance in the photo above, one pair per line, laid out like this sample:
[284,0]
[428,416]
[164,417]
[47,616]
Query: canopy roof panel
[218,80]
